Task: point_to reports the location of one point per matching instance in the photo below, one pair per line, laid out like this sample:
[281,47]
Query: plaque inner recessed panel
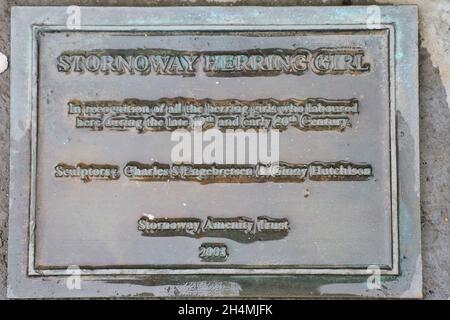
[340,224]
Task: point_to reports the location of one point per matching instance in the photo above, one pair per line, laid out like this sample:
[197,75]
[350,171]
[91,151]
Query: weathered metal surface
[104,194]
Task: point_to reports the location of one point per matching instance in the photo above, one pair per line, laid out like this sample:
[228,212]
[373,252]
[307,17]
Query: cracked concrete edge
[4,145]
[434,23]
[435,180]
[434,123]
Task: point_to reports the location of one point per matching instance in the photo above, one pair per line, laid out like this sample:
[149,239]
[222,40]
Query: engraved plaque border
[204,269]
[49,19]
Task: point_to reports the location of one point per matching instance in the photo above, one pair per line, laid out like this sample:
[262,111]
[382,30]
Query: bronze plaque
[187,150]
